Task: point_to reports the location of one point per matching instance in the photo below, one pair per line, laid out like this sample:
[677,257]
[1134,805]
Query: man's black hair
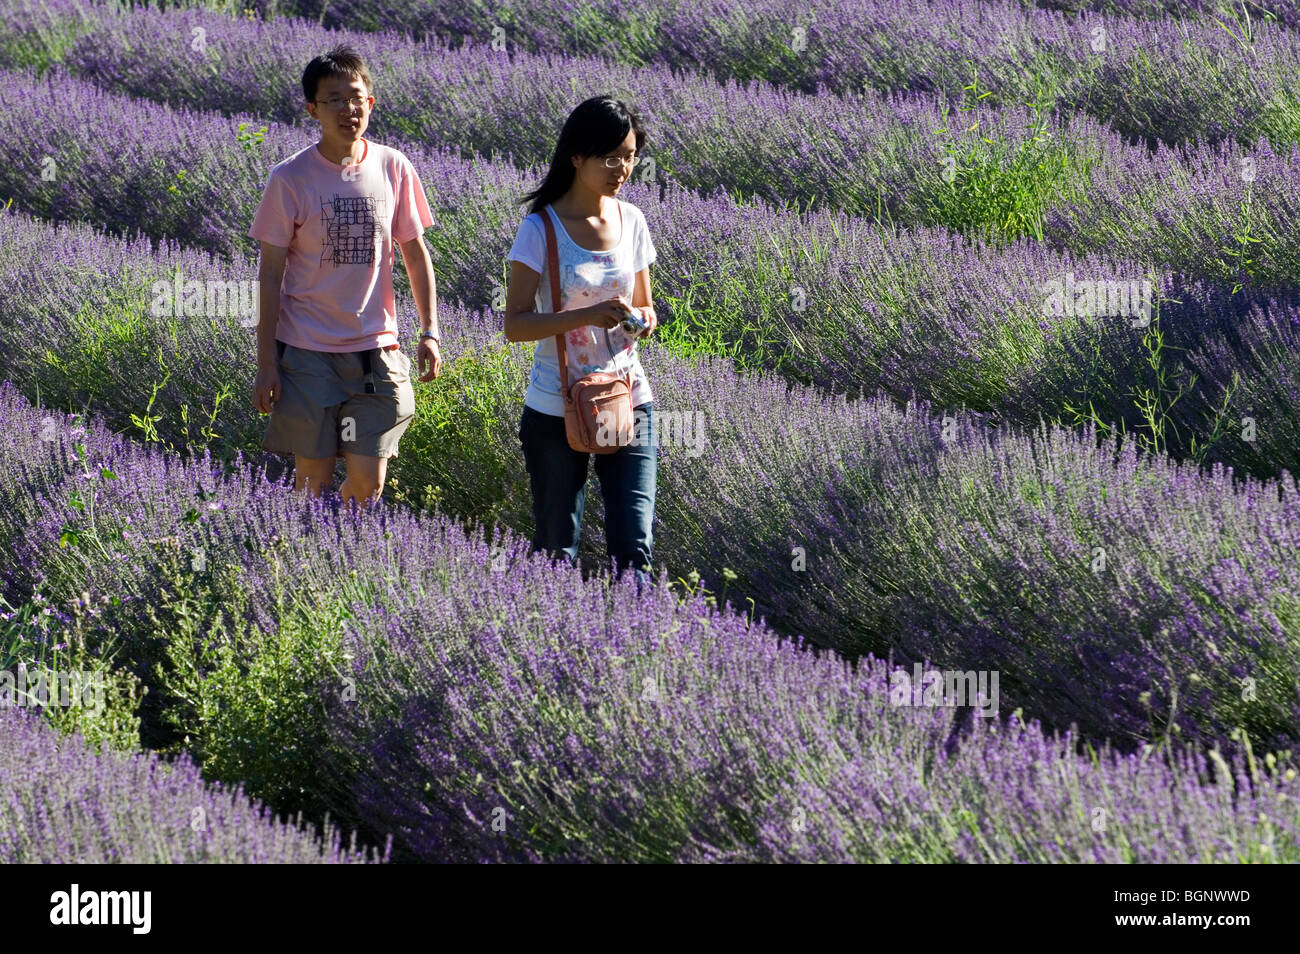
[341,61]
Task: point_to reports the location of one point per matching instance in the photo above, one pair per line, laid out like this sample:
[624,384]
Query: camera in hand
[634,325]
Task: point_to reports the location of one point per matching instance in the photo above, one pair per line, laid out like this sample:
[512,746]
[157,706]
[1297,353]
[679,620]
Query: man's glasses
[613,162]
[335,103]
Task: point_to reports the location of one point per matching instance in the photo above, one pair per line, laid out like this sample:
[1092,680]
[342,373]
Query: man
[329,368]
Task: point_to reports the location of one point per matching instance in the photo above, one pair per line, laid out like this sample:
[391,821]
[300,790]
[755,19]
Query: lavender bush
[67,803]
[1257,398]
[1050,543]
[47,668]
[593,733]
[1259,11]
[1209,379]
[1219,212]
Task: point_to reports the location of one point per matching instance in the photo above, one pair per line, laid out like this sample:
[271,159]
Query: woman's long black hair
[596,127]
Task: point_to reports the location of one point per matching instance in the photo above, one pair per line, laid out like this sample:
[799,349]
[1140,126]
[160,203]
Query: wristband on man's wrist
[430,334]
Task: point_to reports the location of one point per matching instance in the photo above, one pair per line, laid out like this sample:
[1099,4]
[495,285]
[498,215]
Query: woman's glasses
[613,162]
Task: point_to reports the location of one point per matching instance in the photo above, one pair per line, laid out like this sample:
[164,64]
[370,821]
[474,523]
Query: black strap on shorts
[366,367]
[367,370]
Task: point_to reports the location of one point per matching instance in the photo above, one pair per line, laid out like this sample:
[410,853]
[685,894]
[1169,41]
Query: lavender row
[671,31]
[1215,211]
[197,176]
[67,803]
[826,300]
[528,714]
[1258,11]
[1171,81]
[1219,212]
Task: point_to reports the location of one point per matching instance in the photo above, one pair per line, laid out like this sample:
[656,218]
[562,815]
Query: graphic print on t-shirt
[350,224]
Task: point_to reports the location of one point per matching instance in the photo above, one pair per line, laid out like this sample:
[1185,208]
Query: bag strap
[553,268]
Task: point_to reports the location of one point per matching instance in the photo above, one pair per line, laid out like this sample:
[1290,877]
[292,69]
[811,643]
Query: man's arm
[424,288]
[270,274]
[266,386]
[419,269]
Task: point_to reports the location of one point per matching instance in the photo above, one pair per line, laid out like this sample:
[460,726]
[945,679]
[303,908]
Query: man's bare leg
[365,481]
[316,473]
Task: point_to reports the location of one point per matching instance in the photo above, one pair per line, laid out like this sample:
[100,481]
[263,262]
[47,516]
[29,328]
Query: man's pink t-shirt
[339,224]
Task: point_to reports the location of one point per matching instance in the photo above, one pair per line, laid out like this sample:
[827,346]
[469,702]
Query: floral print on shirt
[591,348]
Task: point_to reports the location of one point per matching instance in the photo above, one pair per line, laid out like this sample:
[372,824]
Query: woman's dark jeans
[558,475]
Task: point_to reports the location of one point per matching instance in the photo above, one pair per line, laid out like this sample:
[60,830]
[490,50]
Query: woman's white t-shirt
[586,277]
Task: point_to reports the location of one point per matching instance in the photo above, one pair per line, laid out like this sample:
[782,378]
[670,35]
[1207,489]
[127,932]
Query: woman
[604,256]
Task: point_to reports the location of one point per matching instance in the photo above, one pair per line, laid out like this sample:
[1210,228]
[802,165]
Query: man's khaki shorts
[323,408]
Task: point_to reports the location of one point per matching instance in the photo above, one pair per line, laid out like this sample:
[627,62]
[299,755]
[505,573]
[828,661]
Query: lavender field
[995,306]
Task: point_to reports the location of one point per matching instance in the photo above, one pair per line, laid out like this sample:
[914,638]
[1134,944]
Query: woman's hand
[651,319]
[609,313]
